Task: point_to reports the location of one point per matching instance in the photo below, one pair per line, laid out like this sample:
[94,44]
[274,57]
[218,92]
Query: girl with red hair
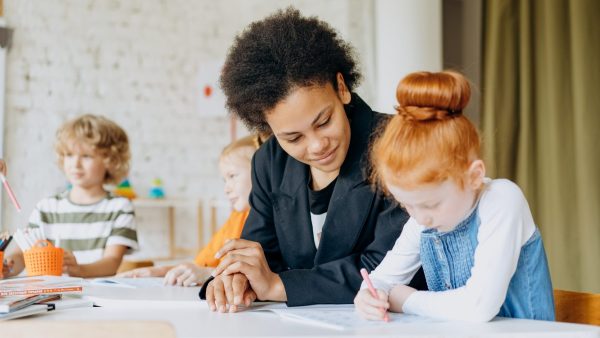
[474,237]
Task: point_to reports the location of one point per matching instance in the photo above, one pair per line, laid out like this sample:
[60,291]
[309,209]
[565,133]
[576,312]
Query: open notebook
[337,317]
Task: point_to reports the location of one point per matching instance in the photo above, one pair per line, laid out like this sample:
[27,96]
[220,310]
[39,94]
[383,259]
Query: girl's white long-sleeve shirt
[505,226]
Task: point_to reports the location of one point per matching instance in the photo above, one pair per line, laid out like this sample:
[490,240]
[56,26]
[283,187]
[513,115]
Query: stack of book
[31,295]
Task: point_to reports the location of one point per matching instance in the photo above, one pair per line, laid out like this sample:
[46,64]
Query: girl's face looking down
[235,170]
[442,205]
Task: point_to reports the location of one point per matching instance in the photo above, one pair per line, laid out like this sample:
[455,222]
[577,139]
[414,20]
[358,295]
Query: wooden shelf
[170,204]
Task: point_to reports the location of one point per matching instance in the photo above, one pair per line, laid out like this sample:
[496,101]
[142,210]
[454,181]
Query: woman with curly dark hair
[314,220]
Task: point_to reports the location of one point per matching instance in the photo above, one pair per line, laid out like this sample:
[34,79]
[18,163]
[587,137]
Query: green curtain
[541,123]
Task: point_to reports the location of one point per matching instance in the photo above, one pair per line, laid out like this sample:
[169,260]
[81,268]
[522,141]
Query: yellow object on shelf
[124,189]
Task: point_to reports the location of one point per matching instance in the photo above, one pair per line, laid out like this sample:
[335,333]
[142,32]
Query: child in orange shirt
[234,167]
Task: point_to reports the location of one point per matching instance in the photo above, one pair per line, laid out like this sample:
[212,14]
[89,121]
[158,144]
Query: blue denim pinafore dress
[448,257]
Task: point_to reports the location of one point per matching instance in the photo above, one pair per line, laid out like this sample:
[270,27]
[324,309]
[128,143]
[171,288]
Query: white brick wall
[136,62]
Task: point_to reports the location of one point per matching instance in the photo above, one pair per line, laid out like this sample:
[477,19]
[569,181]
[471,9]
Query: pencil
[4,244]
[365,276]
[10,192]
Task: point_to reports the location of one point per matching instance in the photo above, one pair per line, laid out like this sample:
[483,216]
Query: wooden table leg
[200,225]
[171,231]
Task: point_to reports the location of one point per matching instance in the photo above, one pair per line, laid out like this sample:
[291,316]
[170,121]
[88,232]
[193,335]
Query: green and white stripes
[86,229]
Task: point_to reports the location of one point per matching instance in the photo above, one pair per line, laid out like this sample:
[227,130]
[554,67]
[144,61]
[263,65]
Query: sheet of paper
[68,302]
[145,304]
[131,283]
[28,311]
[338,317]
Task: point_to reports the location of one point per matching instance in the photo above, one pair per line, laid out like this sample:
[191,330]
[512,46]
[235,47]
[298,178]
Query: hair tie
[402,112]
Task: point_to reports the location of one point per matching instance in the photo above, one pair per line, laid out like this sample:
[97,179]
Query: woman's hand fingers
[239,286]
[235,244]
[253,255]
[249,297]
[210,296]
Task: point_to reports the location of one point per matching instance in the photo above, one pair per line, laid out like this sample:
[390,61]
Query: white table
[191,318]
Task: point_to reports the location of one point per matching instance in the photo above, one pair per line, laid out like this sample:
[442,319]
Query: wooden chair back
[577,307]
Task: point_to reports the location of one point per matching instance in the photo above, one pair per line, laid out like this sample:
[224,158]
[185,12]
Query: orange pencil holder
[44,259]
[1,257]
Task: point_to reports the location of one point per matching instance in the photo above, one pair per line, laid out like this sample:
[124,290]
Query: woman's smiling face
[311,125]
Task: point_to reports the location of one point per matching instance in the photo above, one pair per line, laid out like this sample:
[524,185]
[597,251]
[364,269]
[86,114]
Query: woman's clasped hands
[242,276]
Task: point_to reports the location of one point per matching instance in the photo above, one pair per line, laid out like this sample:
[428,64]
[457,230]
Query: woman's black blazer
[360,227]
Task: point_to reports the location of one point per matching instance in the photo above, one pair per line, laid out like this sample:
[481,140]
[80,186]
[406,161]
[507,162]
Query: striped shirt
[86,229]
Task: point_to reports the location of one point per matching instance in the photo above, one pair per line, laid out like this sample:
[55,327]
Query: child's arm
[151,271]
[397,267]
[398,296]
[13,262]
[123,236]
[506,224]
[187,274]
[106,266]
[402,262]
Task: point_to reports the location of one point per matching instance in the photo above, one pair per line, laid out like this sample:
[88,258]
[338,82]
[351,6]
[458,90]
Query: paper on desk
[131,283]
[67,302]
[338,317]
[28,311]
[145,303]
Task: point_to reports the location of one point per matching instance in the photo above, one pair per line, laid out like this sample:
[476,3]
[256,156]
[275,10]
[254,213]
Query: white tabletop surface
[191,318]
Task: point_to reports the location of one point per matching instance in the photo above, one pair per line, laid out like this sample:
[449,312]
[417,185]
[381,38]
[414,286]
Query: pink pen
[11,194]
[365,276]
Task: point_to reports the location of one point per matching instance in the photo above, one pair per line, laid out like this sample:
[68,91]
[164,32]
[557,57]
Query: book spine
[73,289]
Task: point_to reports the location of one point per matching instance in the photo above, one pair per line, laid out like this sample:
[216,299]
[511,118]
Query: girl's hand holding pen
[370,303]
[372,308]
